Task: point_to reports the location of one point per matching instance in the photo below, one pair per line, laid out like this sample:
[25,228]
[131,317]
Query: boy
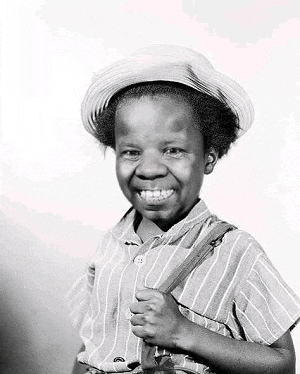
[169,116]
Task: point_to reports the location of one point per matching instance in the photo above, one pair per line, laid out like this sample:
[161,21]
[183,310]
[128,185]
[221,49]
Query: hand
[156,318]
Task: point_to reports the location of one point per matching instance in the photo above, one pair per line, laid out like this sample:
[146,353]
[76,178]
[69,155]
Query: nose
[151,166]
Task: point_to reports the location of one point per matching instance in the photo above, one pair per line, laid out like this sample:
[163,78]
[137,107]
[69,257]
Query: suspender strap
[211,240]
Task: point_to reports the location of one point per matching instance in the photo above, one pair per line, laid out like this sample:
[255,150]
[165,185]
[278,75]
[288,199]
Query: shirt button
[140,260]
[119,359]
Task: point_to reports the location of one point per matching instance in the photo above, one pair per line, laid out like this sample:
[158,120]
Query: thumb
[142,284]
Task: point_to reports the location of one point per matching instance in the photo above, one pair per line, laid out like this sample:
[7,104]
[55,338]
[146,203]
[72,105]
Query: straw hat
[165,63]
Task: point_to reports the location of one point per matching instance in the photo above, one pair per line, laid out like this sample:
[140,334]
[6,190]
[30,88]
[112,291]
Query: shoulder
[238,254]
[240,245]
[117,234]
[257,273]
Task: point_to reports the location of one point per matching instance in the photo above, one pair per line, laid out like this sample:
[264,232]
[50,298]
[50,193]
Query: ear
[211,159]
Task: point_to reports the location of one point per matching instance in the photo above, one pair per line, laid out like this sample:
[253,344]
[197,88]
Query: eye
[174,152]
[130,154]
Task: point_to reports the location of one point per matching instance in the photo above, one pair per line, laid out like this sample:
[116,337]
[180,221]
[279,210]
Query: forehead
[158,112]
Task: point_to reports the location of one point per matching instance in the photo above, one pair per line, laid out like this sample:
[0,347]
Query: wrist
[185,333]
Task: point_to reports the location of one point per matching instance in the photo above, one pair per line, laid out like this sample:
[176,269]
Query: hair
[217,123]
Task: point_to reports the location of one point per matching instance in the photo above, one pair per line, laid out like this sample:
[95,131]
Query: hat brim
[172,64]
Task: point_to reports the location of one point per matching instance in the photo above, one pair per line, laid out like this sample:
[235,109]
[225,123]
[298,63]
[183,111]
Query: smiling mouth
[155,196]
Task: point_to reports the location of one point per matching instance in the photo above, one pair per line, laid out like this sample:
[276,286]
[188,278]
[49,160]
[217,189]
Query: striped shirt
[236,292]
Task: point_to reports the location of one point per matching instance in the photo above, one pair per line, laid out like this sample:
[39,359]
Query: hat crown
[171,52]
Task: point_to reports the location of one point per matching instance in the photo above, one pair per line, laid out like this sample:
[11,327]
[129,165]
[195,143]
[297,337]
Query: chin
[163,221]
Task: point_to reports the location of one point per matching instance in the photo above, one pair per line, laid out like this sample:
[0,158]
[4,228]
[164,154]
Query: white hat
[170,63]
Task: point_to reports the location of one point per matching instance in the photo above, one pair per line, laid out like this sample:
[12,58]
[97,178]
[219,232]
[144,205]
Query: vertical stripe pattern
[236,292]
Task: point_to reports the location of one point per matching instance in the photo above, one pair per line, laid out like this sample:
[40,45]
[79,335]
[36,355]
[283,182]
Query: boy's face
[160,161]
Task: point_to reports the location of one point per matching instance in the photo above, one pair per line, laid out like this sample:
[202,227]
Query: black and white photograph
[150,187]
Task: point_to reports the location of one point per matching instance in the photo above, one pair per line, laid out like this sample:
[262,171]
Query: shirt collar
[125,232]
[198,214]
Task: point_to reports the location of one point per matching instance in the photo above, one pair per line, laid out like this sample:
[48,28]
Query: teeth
[156,194]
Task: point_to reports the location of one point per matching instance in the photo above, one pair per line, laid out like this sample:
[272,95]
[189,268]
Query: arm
[227,355]
[158,321]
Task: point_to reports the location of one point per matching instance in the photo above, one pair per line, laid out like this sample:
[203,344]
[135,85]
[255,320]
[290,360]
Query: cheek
[188,170]
[123,172]
[191,176]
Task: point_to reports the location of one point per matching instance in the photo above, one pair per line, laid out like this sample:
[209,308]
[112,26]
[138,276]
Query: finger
[146,294]
[143,333]
[138,331]
[138,320]
[139,307]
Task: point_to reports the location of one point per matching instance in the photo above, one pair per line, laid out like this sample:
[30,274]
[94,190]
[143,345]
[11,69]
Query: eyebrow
[123,143]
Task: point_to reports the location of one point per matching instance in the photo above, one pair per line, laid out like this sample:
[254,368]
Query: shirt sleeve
[79,297]
[266,307]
